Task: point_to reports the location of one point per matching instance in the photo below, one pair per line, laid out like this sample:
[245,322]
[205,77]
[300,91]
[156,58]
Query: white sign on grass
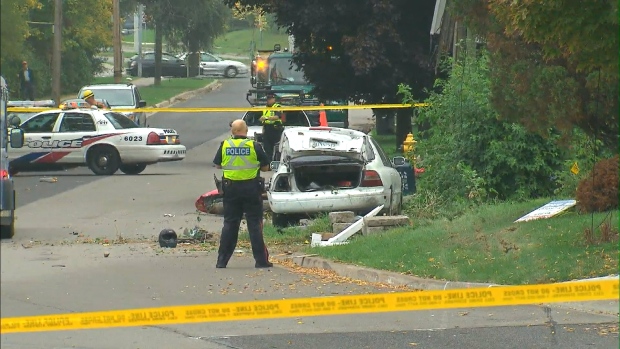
[549,210]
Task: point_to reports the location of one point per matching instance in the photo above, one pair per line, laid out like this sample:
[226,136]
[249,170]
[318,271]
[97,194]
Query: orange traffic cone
[322,118]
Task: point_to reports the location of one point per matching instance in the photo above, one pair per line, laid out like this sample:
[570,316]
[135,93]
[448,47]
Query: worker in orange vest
[322,117]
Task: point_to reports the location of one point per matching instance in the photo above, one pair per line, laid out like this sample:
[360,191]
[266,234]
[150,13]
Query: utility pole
[56,66]
[118,55]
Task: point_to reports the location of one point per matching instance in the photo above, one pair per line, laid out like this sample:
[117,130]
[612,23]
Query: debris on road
[106,254]
[168,238]
[168,215]
[48,179]
[345,224]
[341,238]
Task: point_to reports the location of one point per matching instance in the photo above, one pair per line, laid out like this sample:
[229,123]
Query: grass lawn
[171,87]
[238,42]
[486,246]
[388,143]
[148,35]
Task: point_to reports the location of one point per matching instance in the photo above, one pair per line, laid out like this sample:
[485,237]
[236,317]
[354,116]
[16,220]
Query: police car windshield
[120,121]
[115,97]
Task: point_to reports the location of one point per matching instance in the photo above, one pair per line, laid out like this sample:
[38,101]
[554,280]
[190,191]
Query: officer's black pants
[271,136]
[242,197]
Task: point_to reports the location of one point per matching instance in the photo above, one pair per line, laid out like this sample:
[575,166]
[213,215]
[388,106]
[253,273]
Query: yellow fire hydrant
[409,147]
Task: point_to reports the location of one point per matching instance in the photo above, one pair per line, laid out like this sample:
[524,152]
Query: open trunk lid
[339,144]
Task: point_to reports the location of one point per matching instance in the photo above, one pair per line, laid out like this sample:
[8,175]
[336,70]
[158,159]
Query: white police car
[103,140]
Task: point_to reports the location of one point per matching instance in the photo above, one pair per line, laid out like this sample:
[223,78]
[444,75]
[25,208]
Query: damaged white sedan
[322,169]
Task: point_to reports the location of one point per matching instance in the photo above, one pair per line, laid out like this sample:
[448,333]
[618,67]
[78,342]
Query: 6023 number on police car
[132,138]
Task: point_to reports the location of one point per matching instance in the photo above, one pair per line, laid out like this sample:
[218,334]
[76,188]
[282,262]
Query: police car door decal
[37,139]
[67,143]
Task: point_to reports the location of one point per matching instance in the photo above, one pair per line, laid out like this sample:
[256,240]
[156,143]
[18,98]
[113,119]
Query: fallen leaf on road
[463,313]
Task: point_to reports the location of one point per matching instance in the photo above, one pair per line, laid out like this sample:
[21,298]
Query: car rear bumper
[357,200]
[150,154]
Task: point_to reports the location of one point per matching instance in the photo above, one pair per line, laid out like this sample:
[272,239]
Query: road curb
[609,307]
[382,276]
[186,95]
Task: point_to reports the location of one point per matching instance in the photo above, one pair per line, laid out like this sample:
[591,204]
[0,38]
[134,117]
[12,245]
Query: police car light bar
[34,104]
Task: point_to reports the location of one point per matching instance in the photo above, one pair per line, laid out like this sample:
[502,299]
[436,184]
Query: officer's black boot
[222,261]
[263,265]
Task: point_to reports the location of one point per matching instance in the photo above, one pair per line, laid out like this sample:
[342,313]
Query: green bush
[469,153]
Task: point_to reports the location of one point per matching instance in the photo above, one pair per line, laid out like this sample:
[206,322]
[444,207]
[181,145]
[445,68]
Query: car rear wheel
[230,72]
[132,169]
[283,220]
[7,231]
[103,160]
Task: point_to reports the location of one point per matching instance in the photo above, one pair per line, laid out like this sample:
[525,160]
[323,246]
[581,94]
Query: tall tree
[194,24]
[554,64]
[14,28]
[359,49]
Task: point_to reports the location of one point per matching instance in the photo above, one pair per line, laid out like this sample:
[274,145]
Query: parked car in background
[211,64]
[324,169]
[120,96]
[170,65]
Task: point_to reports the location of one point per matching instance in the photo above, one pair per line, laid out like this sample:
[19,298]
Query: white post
[136,26]
[140,31]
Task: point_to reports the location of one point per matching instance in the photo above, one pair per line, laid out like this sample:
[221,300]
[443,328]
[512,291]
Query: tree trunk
[158,50]
[193,58]
[384,121]
[403,125]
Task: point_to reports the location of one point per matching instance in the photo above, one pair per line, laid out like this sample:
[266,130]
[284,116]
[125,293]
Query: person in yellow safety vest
[272,125]
[241,159]
[89,96]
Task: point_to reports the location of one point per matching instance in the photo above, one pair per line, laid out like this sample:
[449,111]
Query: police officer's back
[241,159]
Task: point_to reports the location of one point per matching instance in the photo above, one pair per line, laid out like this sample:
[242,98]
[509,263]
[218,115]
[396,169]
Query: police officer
[89,96]
[272,125]
[241,159]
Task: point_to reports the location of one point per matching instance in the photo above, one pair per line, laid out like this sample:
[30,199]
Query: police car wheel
[103,160]
[132,169]
[7,231]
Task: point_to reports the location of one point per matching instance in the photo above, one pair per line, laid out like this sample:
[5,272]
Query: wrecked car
[323,169]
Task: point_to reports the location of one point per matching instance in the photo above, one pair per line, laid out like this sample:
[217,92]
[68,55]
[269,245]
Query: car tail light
[371,179]
[4,174]
[153,139]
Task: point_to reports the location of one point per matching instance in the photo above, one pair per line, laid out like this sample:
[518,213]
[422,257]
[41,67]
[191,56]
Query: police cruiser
[81,135]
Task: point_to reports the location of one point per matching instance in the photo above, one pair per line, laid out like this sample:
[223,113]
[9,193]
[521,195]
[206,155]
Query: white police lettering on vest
[244,151]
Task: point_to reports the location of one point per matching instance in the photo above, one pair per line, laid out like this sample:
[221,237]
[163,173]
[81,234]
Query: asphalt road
[194,128]
[56,264]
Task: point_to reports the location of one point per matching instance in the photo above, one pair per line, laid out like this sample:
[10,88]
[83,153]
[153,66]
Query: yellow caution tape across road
[238,109]
[339,305]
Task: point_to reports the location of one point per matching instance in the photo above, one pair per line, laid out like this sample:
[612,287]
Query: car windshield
[116,97]
[120,121]
[283,71]
[22,116]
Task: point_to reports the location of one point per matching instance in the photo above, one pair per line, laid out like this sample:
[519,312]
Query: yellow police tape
[237,109]
[339,305]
